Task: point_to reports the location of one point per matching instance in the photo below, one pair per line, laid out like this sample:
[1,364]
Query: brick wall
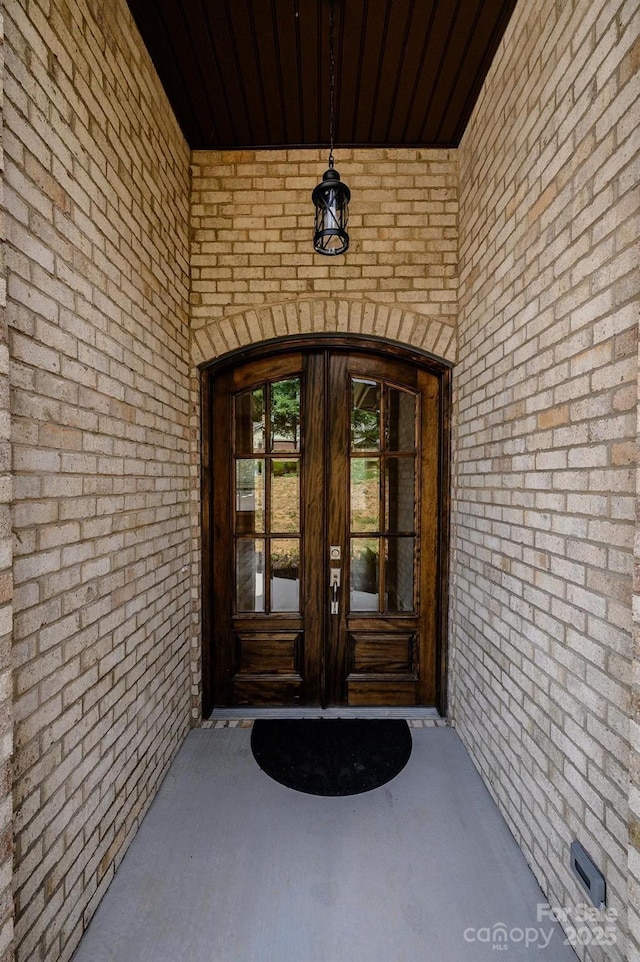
[252,231]
[544,446]
[97,183]
[633,893]
[6,594]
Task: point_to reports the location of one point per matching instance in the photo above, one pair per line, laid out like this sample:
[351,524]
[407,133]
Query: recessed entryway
[325,520]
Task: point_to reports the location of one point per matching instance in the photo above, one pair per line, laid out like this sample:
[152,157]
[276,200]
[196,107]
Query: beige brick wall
[252,248]
[97,184]
[544,446]
[633,893]
[6,590]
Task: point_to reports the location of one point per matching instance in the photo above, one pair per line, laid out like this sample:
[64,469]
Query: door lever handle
[334,583]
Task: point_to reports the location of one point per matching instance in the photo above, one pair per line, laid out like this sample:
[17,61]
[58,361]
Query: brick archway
[319,316]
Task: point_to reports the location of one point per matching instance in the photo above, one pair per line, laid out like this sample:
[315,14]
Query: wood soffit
[250,74]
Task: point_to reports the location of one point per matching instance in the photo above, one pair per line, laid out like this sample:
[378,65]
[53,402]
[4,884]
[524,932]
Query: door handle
[334,584]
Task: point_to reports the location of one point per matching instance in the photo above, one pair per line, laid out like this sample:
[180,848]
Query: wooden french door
[325,531]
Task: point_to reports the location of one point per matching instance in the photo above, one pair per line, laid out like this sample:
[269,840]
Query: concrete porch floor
[229,866]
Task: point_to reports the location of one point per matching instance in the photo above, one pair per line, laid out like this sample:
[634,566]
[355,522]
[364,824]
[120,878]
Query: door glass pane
[364,569]
[401,421]
[285,574]
[365,415]
[250,422]
[399,574]
[250,575]
[285,496]
[285,415]
[365,494]
[249,495]
[400,495]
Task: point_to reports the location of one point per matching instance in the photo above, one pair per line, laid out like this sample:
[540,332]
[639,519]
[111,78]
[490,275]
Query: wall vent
[590,876]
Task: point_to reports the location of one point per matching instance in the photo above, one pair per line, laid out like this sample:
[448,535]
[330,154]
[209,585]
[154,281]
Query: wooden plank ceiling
[255,73]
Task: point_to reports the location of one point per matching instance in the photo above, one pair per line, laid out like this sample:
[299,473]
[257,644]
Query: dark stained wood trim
[205,541]
[444,540]
[336,659]
[430,534]
[313,580]
[219,535]
[350,343]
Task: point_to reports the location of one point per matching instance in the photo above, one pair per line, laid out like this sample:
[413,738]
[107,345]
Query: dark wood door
[325,529]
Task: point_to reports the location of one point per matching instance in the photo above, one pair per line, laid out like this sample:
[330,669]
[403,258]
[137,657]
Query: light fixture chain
[332,84]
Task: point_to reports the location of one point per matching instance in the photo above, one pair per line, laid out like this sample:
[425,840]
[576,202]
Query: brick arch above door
[324,316]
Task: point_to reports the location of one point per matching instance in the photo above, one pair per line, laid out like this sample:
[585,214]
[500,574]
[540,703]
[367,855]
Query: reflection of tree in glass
[257,406]
[285,409]
[365,414]
[365,431]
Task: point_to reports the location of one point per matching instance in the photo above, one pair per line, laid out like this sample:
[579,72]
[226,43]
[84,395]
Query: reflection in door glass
[249,495]
[250,422]
[285,574]
[399,574]
[364,569]
[250,575]
[365,415]
[400,495]
[365,494]
[285,415]
[401,421]
[285,496]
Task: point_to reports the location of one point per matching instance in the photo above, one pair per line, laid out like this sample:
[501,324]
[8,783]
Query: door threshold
[409,712]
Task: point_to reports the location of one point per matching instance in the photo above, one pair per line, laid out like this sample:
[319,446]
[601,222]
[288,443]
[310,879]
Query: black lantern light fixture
[331,197]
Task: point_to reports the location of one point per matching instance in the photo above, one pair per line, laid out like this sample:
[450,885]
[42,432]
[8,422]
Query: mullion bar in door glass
[250,496]
[285,497]
[250,574]
[284,410]
[365,415]
[364,567]
[285,574]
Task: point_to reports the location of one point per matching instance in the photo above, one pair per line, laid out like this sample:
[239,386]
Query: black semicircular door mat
[331,756]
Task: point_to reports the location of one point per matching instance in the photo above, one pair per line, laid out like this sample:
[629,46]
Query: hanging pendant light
[331,197]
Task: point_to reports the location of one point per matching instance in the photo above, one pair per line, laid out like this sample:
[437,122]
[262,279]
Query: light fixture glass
[331,197]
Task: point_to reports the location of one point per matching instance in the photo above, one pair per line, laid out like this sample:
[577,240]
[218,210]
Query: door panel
[379,496]
[265,642]
[325,531]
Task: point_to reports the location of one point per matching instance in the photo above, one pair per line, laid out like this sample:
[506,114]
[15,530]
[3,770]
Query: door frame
[376,346]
